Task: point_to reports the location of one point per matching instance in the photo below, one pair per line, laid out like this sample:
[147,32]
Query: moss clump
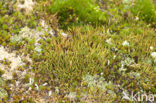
[1,72]
[145,9]
[26,79]
[77,11]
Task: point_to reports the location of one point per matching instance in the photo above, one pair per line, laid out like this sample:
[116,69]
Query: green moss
[64,61]
[73,11]
[145,10]
[27,76]
[1,72]
[15,76]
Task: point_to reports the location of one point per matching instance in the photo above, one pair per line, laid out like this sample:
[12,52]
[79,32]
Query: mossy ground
[95,63]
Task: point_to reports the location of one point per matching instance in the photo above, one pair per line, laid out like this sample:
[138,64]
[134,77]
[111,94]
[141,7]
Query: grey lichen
[3,93]
[2,82]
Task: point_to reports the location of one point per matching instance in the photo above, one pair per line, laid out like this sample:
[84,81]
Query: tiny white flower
[29,88]
[114,56]
[109,41]
[137,18]
[11,86]
[122,65]
[151,47]
[31,81]
[37,87]
[125,96]
[108,62]
[17,83]
[153,54]
[49,93]
[64,35]
[45,84]
[125,43]
[56,89]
